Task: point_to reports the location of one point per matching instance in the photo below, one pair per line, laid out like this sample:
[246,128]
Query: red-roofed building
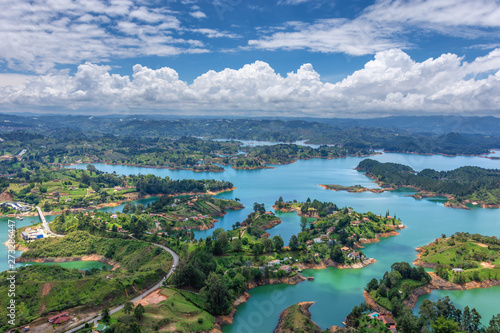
[388,321]
[59,318]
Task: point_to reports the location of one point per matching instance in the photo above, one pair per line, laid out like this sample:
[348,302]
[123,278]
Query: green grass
[177,313]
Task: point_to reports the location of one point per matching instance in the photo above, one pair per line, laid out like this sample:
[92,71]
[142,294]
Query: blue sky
[275,57]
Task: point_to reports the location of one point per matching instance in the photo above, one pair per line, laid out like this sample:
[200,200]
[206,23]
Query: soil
[153,297]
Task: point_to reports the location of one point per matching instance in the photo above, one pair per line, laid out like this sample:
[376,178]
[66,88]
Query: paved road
[141,296]
[45,224]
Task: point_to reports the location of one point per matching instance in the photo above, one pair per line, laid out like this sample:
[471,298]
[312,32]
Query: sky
[315,58]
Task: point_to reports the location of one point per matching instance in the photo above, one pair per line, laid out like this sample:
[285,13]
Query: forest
[441,316]
[466,183]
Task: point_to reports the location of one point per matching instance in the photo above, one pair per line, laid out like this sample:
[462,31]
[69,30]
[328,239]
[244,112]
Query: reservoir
[336,291]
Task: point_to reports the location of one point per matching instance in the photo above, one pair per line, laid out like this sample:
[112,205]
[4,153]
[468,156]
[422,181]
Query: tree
[443,325]
[294,243]
[372,285]
[337,255]
[494,326]
[268,245]
[303,223]
[105,315]
[382,290]
[217,295]
[236,245]
[257,248]
[139,312]
[278,243]
[128,307]
[475,320]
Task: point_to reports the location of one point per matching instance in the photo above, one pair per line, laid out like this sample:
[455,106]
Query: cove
[336,291]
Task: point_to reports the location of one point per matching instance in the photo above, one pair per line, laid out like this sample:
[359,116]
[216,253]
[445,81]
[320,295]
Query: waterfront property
[32,234]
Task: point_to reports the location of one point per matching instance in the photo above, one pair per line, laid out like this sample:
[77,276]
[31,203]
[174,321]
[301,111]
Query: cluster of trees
[393,282]
[438,317]
[467,182]
[441,316]
[217,285]
[151,184]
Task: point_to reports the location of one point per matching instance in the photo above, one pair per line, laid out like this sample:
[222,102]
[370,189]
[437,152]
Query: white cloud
[391,83]
[212,33]
[198,14]
[36,35]
[387,24]
[11,79]
[292,2]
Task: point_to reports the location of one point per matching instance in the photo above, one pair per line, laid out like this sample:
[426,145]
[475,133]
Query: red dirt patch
[153,297]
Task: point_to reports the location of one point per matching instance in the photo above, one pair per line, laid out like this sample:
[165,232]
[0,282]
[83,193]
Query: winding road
[141,296]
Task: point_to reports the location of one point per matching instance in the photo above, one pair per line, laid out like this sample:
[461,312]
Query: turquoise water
[82,265]
[484,300]
[337,291]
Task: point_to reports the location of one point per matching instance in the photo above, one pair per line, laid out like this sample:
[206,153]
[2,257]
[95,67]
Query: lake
[336,291]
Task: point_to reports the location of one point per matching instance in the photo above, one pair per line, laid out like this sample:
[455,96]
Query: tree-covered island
[462,186]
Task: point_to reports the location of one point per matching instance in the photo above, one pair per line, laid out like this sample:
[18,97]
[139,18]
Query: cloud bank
[391,83]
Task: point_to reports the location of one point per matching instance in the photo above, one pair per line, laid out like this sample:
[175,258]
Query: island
[386,303]
[462,186]
[296,319]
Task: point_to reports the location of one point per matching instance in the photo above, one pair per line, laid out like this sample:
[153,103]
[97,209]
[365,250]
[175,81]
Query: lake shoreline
[228,319]
[120,202]
[438,283]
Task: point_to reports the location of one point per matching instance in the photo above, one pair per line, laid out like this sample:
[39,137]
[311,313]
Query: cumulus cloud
[386,24]
[36,35]
[198,14]
[391,83]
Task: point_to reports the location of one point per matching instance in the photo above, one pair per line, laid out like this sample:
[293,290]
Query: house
[365,219]
[324,236]
[354,255]
[32,234]
[114,216]
[59,318]
[317,240]
[345,248]
[286,268]
[388,321]
[458,270]
[26,329]
[274,262]
[268,213]
[357,222]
